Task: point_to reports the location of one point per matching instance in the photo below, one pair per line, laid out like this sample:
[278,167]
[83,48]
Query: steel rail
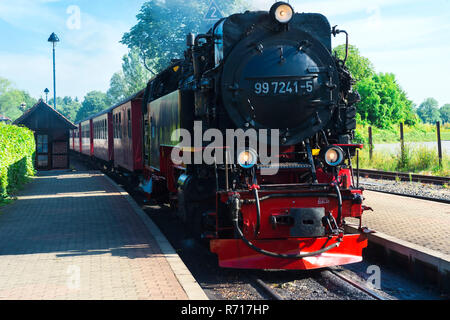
[408,195]
[404,176]
[276,296]
[267,289]
[357,285]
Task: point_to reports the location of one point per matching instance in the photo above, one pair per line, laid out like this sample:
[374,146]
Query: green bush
[17,148]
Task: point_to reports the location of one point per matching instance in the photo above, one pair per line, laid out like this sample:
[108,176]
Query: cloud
[29,14]
[86,57]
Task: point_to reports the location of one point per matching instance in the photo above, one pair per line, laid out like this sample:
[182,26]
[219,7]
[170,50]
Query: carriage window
[129,123]
[120,125]
[115,126]
[152,126]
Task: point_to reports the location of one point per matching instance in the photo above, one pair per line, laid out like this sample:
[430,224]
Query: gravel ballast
[407,188]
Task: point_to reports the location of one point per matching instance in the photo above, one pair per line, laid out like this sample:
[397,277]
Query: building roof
[4,118]
[42,105]
[137,95]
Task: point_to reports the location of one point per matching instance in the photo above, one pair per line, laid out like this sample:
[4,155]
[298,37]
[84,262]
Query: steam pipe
[334,32]
[346,45]
[258,212]
[339,197]
[201,36]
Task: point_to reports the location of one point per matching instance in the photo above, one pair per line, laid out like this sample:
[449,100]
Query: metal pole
[357,168]
[402,139]
[438,127]
[54,77]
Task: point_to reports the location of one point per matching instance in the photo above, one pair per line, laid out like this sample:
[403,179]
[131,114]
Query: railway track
[357,285]
[274,294]
[403,177]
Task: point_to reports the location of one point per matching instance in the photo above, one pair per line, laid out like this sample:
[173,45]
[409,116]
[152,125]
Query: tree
[117,88]
[360,67]
[383,102]
[428,111]
[5,85]
[131,79]
[445,113]
[67,106]
[11,101]
[160,34]
[94,102]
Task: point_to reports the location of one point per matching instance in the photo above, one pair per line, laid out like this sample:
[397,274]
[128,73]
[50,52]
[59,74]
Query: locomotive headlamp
[333,156]
[247,159]
[282,12]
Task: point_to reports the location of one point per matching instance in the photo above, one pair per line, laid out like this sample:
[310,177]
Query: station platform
[416,230]
[421,222]
[77,235]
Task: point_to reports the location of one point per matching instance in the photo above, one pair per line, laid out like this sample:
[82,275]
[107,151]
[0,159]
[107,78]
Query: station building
[51,131]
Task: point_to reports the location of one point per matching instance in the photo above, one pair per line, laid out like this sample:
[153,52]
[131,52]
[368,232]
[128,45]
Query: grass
[418,159]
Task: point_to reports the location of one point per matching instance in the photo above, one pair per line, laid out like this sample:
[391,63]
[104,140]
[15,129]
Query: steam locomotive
[270,72]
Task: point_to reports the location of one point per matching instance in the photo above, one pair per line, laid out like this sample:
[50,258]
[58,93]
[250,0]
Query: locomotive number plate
[283,87]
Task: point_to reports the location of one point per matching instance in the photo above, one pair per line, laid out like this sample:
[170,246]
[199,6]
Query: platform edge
[191,287]
[414,252]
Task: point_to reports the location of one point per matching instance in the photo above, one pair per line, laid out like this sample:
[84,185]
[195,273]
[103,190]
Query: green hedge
[17,148]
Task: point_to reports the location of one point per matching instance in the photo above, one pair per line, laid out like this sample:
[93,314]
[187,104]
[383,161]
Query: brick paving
[425,223]
[74,236]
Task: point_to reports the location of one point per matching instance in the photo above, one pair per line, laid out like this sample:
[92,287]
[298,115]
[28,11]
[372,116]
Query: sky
[410,38]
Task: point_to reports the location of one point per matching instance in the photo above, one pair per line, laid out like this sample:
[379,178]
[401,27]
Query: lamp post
[54,39]
[46,91]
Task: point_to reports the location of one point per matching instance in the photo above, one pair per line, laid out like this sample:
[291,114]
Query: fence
[402,141]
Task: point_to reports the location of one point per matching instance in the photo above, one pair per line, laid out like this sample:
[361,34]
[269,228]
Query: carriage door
[60,152]
[42,151]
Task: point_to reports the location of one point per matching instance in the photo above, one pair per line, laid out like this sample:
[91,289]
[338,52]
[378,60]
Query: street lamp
[23,106]
[53,39]
[46,91]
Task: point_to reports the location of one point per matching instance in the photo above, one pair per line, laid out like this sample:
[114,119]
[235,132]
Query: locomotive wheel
[181,207]
[194,199]
[192,213]
[194,221]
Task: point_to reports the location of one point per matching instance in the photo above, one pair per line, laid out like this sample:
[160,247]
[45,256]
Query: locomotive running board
[234,253]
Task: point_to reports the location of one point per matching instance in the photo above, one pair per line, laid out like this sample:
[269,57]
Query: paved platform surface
[421,222]
[76,236]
